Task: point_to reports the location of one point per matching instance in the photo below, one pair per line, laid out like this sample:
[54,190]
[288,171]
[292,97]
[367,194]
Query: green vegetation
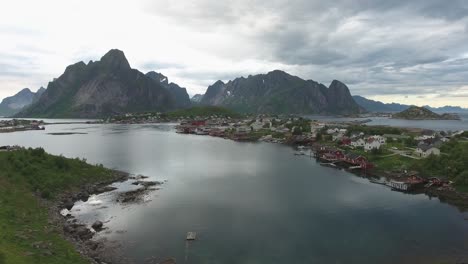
[453,165]
[301,125]
[203,111]
[394,162]
[373,130]
[25,234]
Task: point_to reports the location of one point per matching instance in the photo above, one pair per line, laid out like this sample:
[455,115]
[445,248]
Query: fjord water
[437,125]
[250,202]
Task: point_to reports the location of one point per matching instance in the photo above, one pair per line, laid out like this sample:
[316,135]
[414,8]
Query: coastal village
[13,125]
[382,153]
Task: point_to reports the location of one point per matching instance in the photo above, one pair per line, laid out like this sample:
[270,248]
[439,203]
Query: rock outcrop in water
[421,113]
[280,92]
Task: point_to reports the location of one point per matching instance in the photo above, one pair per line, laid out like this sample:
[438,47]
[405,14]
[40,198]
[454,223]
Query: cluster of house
[10,148]
[20,125]
[333,155]
[241,129]
[357,140]
[429,142]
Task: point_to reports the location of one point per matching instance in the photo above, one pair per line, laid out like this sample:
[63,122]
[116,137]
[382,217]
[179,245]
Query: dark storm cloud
[412,46]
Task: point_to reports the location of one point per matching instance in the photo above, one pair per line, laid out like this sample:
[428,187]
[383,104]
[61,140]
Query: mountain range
[282,93]
[110,86]
[14,104]
[106,87]
[376,106]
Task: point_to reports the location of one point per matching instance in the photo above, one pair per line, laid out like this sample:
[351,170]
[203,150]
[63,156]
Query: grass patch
[396,162]
[25,234]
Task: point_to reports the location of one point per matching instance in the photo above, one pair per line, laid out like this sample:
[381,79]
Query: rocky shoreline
[81,235]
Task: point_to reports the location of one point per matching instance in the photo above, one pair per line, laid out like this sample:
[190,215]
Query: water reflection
[250,203]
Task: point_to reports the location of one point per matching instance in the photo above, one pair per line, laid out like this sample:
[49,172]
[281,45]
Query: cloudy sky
[404,51]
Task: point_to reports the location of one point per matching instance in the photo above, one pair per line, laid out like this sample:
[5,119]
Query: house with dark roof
[425,150]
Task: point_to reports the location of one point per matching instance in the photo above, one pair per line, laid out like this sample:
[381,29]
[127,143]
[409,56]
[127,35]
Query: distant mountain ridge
[196,98]
[282,93]
[14,104]
[106,87]
[376,106]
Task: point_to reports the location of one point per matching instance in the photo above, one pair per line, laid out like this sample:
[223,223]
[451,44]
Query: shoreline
[445,195]
[81,235]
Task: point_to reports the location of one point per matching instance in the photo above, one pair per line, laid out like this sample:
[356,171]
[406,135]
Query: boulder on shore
[97,225]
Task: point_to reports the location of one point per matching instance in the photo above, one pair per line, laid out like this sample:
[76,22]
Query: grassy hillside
[26,236]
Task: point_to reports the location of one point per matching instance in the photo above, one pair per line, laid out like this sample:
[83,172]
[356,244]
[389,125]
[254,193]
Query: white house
[424,150]
[332,131]
[424,137]
[371,144]
[337,136]
[380,139]
[257,125]
[358,143]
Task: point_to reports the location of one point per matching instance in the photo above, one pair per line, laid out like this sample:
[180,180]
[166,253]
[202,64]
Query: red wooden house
[198,123]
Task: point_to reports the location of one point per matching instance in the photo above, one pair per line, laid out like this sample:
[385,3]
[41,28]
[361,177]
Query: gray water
[446,125]
[250,202]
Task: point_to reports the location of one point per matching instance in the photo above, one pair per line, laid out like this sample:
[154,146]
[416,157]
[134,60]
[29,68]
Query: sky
[413,52]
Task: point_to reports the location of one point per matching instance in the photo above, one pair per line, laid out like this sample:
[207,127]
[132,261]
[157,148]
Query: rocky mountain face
[196,98]
[101,88]
[38,94]
[421,113]
[14,104]
[280,92]
[180,94]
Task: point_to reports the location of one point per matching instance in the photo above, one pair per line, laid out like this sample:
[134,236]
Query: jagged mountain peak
[335,84]
[157,77]
[218,83]
[105,87]
[24,90]
[115,59]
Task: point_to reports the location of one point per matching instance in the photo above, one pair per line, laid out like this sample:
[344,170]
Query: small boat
[378,181]
[191,235]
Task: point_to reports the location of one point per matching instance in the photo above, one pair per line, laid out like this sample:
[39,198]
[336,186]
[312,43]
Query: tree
[297,131]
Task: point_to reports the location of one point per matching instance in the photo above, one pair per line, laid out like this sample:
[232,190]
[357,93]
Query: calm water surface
[446,125]
[251,203]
